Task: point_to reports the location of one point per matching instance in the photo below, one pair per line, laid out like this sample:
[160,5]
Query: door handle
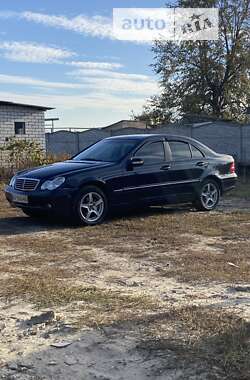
[166,167]
[202,163]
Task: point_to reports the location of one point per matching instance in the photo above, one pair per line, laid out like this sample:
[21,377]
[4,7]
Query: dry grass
[219,338]
[93,306]
[53,265]
[10,169]
[169,240]
[206,265]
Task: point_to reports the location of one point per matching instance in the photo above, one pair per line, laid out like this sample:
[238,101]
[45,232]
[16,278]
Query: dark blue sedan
[125,171]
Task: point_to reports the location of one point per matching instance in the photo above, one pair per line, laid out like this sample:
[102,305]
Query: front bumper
[59,201]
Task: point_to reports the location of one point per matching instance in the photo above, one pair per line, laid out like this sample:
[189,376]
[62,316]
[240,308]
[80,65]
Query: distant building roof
[122,124]
[41,108]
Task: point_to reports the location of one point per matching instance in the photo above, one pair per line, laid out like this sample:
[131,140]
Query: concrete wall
[72,142]
[223,137]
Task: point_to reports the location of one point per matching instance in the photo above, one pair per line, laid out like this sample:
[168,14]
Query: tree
[154,112]
[205,77]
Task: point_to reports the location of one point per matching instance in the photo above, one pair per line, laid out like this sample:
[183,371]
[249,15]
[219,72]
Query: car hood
[61,168]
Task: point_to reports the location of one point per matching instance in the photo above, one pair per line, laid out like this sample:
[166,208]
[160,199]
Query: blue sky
[62,54]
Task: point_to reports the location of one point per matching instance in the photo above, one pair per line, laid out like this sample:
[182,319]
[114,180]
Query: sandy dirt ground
[58,347]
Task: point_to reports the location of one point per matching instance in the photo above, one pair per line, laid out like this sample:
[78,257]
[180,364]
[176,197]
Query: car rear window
[196,153]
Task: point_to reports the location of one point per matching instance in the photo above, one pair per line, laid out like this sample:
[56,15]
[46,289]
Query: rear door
[186,168]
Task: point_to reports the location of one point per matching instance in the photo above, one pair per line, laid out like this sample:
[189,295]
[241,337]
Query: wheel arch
[95,182]
[215,179]
[86,186]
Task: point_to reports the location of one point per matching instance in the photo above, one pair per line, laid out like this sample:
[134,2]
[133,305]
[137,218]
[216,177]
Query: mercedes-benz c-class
[125,171]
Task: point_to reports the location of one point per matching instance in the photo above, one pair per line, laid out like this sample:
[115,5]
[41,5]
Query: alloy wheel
[209,195]
[91,207]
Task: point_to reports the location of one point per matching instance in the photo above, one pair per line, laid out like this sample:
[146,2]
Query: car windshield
[107,150]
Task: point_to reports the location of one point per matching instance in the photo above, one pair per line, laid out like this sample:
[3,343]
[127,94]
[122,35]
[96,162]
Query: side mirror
[136,161]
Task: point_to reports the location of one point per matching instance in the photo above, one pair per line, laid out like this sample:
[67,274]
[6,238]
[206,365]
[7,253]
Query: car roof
[142,137]
[132,137]
[152,136]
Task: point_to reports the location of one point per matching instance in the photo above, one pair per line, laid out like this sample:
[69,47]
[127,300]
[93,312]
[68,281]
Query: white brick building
[24,121]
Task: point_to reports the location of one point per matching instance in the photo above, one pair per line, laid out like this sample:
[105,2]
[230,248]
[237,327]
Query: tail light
[232,168]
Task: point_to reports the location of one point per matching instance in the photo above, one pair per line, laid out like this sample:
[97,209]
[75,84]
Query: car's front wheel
[91,206]
[209,196]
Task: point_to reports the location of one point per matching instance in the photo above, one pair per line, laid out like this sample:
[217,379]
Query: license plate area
[20,198]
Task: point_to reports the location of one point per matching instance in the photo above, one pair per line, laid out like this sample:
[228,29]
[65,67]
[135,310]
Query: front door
[145,181]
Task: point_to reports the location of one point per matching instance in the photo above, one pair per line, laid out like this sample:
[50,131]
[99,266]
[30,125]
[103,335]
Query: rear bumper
[228,182]
[59,201]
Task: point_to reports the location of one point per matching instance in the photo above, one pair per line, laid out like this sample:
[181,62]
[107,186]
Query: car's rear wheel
[91,206]
[209,196]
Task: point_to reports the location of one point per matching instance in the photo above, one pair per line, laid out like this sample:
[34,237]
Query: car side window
[151,152]
[180,150]
[196,153]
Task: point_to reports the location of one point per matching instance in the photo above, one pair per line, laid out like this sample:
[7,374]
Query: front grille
[26,184]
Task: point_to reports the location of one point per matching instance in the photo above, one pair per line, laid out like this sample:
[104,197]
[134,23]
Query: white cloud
[96,26]
[32,52]
[28,81]
[96,65]
[85,73]
[112,82]
[94,87]
[117,82]
[79,110]
[123,86]
[66,102]
[40,53]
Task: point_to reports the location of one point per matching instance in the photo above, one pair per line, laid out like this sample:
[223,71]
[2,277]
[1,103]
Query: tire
[209,196]
[34,213]
[91,206]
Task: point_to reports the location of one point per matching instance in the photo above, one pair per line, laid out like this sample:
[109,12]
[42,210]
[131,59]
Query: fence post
[243,155]
[191,130]
[47,142]
[78,141]
[241,144]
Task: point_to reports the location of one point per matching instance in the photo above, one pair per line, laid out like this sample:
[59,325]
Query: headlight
[12,181]
[53,184]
